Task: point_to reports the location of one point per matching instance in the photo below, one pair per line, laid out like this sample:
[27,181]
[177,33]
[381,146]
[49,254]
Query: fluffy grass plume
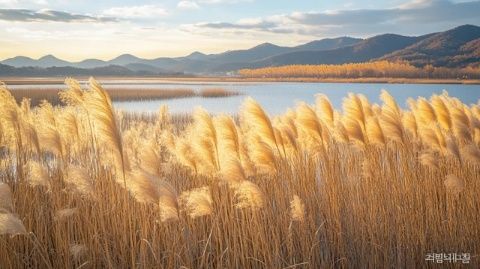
[249,195]
[454,184]
[426,112]
[442,112]
[374,131]
[6,204]
[78,251]
[65,213]
[167,202]
[229,140]
[37,174]
[79,180]
[309,124]
[143,186]
[353,109]
[107,130]
[11,225]
[429,159]
[297,209]
[391,118]
[197,202]
[471,153]
[325,109]
[254,115]
[354,131]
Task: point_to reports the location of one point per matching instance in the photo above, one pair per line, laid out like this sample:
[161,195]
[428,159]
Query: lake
[276,97]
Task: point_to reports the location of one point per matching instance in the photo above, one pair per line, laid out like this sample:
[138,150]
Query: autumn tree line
[376,69]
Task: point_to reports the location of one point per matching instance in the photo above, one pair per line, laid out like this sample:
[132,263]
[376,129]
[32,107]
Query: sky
[80,29]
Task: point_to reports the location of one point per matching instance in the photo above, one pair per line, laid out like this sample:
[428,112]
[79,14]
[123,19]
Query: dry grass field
[368,186]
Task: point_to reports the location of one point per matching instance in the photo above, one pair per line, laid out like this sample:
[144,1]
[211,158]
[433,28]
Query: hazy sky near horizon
[79,29]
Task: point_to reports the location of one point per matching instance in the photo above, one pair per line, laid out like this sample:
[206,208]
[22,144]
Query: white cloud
[47,15]
[414,13]
[144,11]
[187,5]
[416,4]
[415,17]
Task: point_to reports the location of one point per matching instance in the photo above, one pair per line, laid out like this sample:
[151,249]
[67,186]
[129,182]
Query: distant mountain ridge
[452,48]
[362,51]
[458,47]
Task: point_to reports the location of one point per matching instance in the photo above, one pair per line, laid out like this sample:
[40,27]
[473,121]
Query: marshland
[51,94]
[362,184]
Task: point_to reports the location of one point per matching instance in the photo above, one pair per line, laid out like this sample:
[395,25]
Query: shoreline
[150,80]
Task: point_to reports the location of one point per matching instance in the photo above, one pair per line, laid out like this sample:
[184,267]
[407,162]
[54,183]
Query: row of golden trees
[377,69]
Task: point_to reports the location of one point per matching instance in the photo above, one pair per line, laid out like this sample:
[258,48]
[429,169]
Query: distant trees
[377,69]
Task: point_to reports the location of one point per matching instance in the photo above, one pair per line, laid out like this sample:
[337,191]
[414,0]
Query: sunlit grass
[370,186]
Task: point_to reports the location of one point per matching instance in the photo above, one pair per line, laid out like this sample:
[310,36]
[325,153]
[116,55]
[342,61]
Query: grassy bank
[370,186]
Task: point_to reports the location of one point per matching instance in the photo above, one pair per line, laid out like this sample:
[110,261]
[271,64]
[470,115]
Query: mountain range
[457,47]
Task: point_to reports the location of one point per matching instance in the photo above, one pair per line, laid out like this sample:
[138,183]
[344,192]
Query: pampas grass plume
[6,204]
[79,180]
[197,202]
[249,195]
[37,175]
[429,159]
[66,213]
[297,209]
[375,132]
[167,202]
[11,224]
[454,184]
[325,109]
[425,111]
[78,251]
[471,153]
[255,116]
[108,133]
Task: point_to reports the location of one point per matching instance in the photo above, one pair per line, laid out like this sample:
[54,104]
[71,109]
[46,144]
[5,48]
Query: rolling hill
[365,50]
[458,47]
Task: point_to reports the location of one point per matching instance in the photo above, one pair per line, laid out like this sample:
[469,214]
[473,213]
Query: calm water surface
[276,97]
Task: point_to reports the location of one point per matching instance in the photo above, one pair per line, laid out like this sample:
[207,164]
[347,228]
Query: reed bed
[51,95]
[217,92]
[370,186]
